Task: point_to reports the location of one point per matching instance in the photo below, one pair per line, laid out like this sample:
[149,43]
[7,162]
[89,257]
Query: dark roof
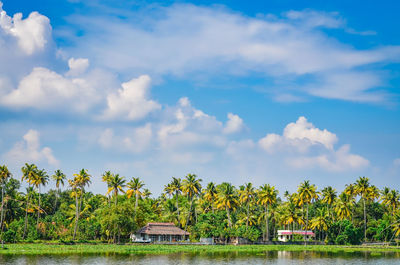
[162,229]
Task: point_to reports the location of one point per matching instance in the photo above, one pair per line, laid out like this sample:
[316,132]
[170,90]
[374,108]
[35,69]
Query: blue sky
[269,92]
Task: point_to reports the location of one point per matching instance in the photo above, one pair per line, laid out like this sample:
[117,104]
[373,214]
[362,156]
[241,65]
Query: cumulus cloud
[185,126]
[135,141]
[304,146]
[45,89]
[131,102]
[234,124]
[29,150]
[300,135]
[183,40]
[77,66]
[32,33]
[340,160]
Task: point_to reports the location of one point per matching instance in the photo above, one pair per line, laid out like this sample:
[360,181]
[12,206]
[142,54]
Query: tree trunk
[305,235]
[38,214]
[2,212]
[116,197]
[76,215]
[136,203]
[248,214]
[365,222]
[266,223]
[229,217]
[26,214]
[177,207]
[188,217]
[55,202]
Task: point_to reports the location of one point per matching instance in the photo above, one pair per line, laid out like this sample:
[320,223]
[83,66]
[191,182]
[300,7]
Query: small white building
[286,235]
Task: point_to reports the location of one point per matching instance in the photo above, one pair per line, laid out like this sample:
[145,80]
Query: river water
[270,257]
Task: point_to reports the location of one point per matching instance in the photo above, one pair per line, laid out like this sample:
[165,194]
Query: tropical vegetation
[57,207]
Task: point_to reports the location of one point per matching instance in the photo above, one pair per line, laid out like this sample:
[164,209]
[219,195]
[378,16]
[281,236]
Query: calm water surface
[270,257]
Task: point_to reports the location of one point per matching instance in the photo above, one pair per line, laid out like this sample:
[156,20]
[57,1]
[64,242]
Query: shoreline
[132,249]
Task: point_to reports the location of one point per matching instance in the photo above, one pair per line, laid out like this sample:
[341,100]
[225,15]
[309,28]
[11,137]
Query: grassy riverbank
[42,248]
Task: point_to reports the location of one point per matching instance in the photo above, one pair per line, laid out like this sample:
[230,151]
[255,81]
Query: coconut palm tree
[351,192]
[191,187]
[247,196]
[267,196]
[59,177]
[391,198]
[106,177]
[40,179]
[227,199]
[116,184]
[329,195]
[210,194]
[320,221]
[363,189]
[5,174]
[343,205]
[134,187]
[307,193]
[29,172]
[176,187]
[78,184]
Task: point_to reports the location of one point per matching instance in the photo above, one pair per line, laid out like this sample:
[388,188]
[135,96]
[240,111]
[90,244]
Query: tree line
[359,213]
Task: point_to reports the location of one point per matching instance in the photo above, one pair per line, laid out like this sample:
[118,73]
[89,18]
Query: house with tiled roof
[161,232]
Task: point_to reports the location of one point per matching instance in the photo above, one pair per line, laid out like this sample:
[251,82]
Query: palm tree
[116,184]
[227,199]
[78,184]
[267,195]
[391,198]
[328,197]
[210,194]
[29,172]
[290,215]
[176,186]
[191,188]
[351,192]
[362,187]
[40,179]
[106,177]
[59,177]
[307,193]
[247,195]
[320,221]
[4,176]
[134,187]
[343,205]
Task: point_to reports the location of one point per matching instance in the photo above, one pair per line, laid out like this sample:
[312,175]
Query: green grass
[43,249]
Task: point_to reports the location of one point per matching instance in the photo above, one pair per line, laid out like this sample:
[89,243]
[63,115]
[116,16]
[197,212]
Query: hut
[161,232]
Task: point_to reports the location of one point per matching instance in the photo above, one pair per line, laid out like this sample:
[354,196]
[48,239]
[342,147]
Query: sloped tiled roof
[162,229]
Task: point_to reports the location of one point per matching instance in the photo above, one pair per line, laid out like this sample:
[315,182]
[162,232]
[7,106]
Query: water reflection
[235,258]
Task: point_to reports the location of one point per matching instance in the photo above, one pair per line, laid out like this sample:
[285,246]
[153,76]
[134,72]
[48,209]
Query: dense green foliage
[70,212]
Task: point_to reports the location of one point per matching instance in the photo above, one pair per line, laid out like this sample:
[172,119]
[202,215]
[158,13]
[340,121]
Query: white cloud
[303,145]
[234,124]
[29,151]
[77,66]
[135,141]
[340,160]
[300,136]
[184,40]
[184,125]
[47,90]
[32,33]
[131,102]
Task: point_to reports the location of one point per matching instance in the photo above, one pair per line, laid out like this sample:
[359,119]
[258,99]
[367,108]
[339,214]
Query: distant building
[161,232]
[286,235]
